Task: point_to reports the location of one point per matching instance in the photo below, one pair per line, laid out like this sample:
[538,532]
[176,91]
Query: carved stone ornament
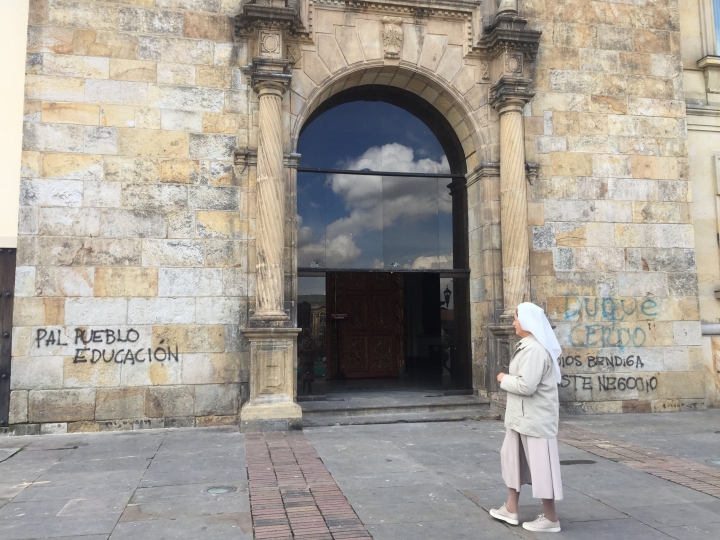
[392,36]
[276,14]
[514,63]
[294,54]
[508,6]
[484,71]
[270,44]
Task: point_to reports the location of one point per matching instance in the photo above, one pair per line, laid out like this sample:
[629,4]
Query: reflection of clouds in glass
[425,262]
[376,205]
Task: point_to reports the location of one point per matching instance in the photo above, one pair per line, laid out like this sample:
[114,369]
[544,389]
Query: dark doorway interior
[379,332]
[7,289]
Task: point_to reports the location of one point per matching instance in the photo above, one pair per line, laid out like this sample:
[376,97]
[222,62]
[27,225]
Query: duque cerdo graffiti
[106,345]
[607,321]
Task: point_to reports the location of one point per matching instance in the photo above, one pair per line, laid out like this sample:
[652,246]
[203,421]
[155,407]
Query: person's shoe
[542,524]
[503,515]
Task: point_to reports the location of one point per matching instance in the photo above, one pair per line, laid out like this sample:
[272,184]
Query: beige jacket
[532,401]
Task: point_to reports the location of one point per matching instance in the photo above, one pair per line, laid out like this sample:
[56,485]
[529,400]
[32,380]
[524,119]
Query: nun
[529,453]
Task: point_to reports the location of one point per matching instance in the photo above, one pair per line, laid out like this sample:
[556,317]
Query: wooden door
[7,290]
[370,340]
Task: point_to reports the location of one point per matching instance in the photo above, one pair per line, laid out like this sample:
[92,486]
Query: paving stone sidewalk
[388,482]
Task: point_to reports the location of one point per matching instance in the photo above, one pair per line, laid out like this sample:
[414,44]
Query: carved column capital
[270,75]
[510,94]
[291,160]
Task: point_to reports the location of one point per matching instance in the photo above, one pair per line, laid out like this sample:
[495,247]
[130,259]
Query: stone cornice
[509,32]
[456,9]
[510,92]
[484,170]
[280,14]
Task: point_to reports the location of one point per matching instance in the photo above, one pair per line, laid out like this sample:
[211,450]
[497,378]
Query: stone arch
[460,116]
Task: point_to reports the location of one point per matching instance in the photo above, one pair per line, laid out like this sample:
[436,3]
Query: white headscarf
[532,319]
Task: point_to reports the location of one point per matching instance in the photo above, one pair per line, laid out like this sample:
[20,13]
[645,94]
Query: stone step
[395,418]
[387,410]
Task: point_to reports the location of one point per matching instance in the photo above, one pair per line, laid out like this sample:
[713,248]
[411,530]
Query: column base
[268,415]
[272,379]
[502,344]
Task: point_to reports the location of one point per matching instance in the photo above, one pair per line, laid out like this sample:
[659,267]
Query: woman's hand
[500,377]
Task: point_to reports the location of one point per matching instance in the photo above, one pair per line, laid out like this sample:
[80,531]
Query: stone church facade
[156,256]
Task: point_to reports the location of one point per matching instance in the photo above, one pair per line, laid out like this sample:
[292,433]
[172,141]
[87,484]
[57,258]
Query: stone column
[509,96]
[271,406]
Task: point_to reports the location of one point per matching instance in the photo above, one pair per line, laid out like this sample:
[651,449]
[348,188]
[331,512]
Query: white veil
[532,319]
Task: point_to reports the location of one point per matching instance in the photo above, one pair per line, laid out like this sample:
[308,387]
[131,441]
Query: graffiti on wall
[106,345]
[608,321]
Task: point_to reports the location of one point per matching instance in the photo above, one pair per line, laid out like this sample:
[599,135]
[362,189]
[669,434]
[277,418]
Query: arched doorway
[382,247]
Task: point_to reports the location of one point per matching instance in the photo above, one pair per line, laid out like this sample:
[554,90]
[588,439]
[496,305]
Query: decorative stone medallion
[270,44]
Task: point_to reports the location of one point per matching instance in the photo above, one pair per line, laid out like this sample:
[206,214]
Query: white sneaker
[542,524]
[503,515]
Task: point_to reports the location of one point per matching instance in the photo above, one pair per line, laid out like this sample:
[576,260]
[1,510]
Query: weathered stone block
[117,116]
[133,70]
[147,118]
[132,282]
[216,399]
[214,198]
[38,311]
[101,194]
[687,333]
[72,166]
[70,113]
[571,164]
[181,224]
[180,74]
[87,67]
[172,253]
[25,281]
[131,170]
[212,146]
[642,284]
[101,140]
[120,92]
[118,223]
[169,401]
[179,171]
[153,143]
[120,403]
[27,220]
[563,258]
[107,252]
[61,405]
[150,21]
[653,167]
[36,373]
[216,421]
[51,193]
[190,282]
[31,164]
[163,370]
[51,39]
[95,311]
[65,281]
[53,137]
[224,310]
[221,225]
[212,28]
[208,368]
[83,15]
[220,123]
[173,120]
[47,88]
[103,43]
[69,221]
[165,49]
[154,196]
[217,173]
[18,407]
[234,282]
[186,98]
[161,311]
[54,428]
[661,212]
[189,339]
[91,375]
[543,237]
[213,77]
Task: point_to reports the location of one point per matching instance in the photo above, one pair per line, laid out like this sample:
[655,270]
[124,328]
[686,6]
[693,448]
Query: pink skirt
[531,460]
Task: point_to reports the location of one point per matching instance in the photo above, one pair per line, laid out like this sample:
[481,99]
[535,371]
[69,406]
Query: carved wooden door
[370,339]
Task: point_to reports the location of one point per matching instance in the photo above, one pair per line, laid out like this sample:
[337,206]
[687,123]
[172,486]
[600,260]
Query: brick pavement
[292,495]
[680,471]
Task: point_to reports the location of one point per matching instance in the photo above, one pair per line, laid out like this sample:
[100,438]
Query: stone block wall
[612,237]
[136,233]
